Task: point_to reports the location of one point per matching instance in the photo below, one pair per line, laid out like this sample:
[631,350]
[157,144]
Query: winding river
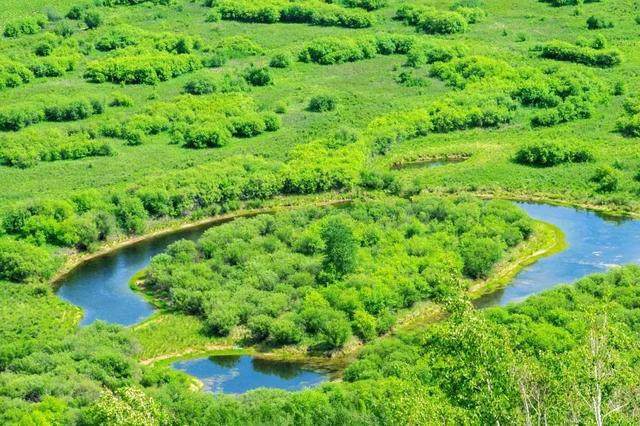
[101,288]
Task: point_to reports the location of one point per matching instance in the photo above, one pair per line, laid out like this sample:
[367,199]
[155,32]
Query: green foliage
[310,12]
[257,76]
[597,23]
[149,68]
[562,51]
[339,248]
[280,60]
[322,103]
[550,153]
[356,267]
[21,261]
[24,26]
[432,21]
[606,179]
[629,125]
[92,19]
[366,4]
[335,50]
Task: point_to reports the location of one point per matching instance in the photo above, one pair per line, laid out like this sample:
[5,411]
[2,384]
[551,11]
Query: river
[101,288]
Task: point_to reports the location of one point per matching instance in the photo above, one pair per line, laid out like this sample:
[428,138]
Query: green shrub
[322,103]
[335,50]
[366,4]
[16,118]
[76,12]
[548,154]
[432,21]
[92,19]
[13,74]
[479,255]
[606,179]
[206,136]
[200,86]
[25,26]
[257,76]
[597,23]
[22,262]
[121,100]
[149,68]
[117,38]
[561,51]
[280,60]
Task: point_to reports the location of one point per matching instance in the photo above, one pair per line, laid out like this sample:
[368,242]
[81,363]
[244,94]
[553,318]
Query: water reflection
[237,374]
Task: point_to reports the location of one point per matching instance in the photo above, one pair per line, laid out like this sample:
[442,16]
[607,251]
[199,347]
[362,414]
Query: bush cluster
[550,153]
[597,23]
[629,125]
[322,103]
[21,261]
[562,51]
[13,74]
[319,275]
[147,68]
[53,66]
[24,26]
[17,117]
[432,21]
[310,12]
[196,121]
[366,4]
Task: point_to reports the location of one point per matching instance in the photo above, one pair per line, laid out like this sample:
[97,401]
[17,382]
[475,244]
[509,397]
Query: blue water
[596,243]
[101,286]
[239,374]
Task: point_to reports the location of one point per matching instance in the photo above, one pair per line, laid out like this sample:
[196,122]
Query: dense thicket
[310,12]
[552,153]
[317,275]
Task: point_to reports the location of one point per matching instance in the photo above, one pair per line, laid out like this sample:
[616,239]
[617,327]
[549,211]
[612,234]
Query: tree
[340,247]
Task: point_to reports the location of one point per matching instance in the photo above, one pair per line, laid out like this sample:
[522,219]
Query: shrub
[43,49]
[257,76]
[16,118]
[597,23]
[548,154]
[247,125]
[284,331]
[117,38]
[64,29]
[606,179]
[335,50]
[322,103]
[562,51]
[280,60]
[206,136]
[271,122]
[25,26]
[76,12]
[479,255]
[200,86]
[121,100]
[92,19]
[13,74]
[22,262]
[432,21]
[150,68]
[215,60]
[312,12]
[366,4]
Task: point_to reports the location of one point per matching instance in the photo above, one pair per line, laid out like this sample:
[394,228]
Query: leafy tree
[340,247]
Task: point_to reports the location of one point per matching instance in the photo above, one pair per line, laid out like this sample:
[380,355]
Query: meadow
[119,118]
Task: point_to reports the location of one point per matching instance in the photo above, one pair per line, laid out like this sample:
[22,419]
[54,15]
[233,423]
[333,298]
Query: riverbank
[76,259]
